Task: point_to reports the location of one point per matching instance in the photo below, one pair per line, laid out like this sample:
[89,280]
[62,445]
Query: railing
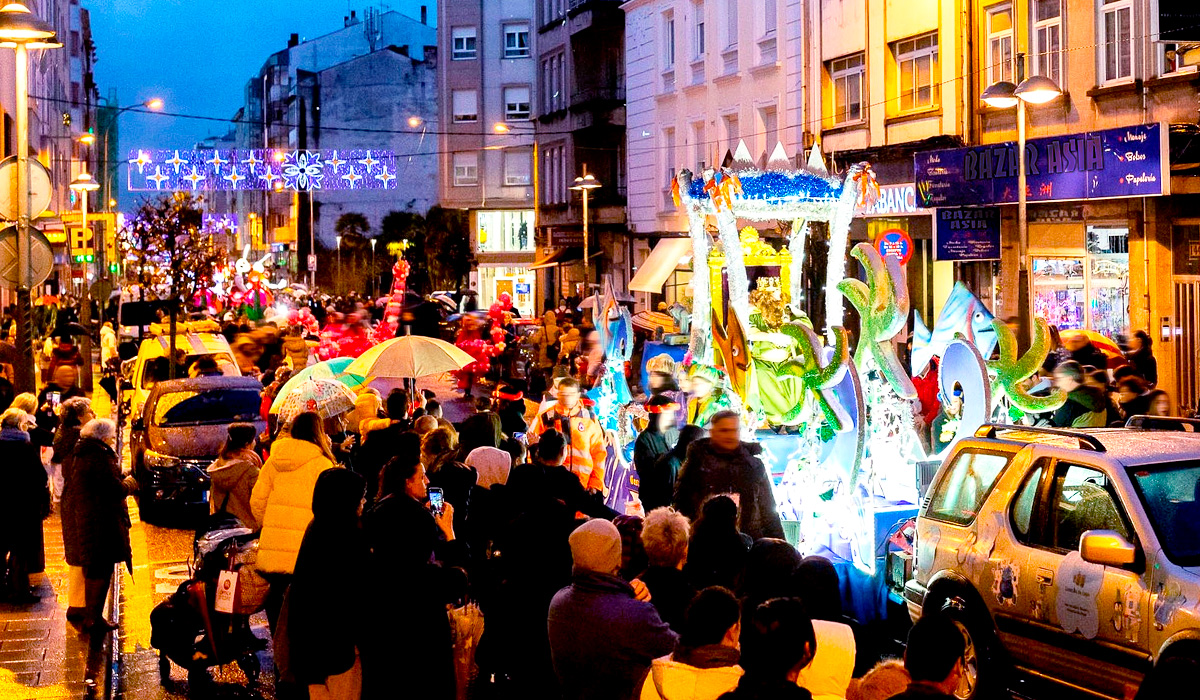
[602,94]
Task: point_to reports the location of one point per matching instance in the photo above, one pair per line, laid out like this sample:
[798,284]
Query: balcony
[596,98]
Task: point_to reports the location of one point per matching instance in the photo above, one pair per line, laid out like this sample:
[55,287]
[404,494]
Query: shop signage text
[967,233]
[1127,162]
[897,200]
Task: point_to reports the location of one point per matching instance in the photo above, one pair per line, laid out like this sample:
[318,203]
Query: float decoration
[882,304]
[963,365]
[962,314]
[1010,371]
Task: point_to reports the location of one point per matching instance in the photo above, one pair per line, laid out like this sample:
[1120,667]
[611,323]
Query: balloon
[505,300]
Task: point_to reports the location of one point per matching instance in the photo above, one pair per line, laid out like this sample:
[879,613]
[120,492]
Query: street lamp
[21,31]
[1037,89]
[374,272]
[585,185]
[84,184]
[153,104]
[339,260]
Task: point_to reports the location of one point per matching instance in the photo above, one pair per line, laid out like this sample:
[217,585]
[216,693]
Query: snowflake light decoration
[303,170]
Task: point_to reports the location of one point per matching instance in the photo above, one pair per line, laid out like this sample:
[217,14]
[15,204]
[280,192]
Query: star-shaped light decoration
[270,177]
[142,161]
[176,162]
[234,177]
[335,162]
[369,162]
[351,177]
[194,178]
[253,162]
[386,178]
[158,178]
[216,161]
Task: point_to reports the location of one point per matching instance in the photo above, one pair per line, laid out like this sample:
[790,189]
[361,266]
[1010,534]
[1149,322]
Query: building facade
[488,97]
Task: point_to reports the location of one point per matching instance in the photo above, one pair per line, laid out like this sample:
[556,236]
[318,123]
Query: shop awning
[661,262]
[560,256]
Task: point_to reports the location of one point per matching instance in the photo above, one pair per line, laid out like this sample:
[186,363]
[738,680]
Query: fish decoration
[963,313]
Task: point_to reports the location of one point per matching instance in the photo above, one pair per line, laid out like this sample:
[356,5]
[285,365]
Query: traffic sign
[81,242]
[312,263]
[41,258]
[897,243]
[39,188]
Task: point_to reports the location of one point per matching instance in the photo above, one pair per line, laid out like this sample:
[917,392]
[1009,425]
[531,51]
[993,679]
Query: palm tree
[352,227]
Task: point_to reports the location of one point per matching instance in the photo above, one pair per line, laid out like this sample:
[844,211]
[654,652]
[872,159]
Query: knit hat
[596,546]
[493,465]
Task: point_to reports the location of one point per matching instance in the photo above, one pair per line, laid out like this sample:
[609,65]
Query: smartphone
[519,437]
[54,398]
[437,501]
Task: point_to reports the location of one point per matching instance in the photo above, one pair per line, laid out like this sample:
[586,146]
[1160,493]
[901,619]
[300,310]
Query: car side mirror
[127,368]
[138,424]
[1106,547]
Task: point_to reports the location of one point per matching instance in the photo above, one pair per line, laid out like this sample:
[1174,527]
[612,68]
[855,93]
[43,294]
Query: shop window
[1089,290]
[509,231]
[1186,248]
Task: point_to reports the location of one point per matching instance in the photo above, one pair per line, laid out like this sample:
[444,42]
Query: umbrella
[410,356]
[333,370]
[45,299]
[69,329]
[653,320]
[325,396]
[1111,350]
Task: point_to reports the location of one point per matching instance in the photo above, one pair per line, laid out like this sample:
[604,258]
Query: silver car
[1070,555]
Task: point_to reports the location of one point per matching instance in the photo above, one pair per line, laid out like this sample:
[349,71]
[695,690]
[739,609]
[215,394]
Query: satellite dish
[41,258]
[39,188]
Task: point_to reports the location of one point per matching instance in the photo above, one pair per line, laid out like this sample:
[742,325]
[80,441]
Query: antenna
[372,27]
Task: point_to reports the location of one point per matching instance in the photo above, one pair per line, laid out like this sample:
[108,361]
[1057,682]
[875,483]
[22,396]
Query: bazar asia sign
[1126,162]
[967,233]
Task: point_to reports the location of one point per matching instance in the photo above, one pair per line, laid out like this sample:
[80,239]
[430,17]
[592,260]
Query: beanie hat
[596,546]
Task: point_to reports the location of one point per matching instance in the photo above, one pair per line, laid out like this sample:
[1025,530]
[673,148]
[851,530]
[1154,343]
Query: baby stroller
[206,622]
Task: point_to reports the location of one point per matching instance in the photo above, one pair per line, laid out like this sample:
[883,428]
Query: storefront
[503,241]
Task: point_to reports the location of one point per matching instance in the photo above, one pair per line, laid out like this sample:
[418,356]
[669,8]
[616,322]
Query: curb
[112,683]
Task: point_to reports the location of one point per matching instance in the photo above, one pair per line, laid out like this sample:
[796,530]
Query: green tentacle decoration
[819,379]
[882,304]
[1009,371]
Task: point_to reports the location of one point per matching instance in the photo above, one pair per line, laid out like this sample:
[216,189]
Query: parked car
[179,433]
[152,364]
[1070,555]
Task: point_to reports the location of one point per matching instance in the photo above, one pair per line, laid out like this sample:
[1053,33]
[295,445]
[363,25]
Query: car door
[1083,624]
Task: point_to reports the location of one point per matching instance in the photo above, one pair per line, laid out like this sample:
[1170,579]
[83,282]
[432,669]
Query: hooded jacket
[1086,407]
[586,451]
[296,349]
[670,678]
[708,471]
[827,677]
[95,505]
[281,501]
[233,481]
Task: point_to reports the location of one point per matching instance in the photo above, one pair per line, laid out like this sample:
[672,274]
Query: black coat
[708,472]
[409,635]
[544,489]
[456,480]
[377,447]
[94,511]
[1090,356]
[670,594]
[657,469]
[326,619]
[24,497]
[1143,361]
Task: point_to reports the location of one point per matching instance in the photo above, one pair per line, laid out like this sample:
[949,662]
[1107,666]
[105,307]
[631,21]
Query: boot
[95,593]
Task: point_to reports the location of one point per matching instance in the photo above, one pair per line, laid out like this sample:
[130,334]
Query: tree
[353,228]
[399,226]
[167,252]
[447,235]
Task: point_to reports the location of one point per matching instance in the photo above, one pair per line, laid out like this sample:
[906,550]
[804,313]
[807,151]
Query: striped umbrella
[325,396]
[410,356]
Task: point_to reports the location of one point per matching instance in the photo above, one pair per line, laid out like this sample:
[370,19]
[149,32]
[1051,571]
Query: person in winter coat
[777,643]
[379,440]
[704,665]
[439,455]
[509,404]
[1142,357]
[818,585]
[656,482]
[723,464]
[54,394]
[281,502]
[234,473]
[295,347]
[326,631]
[933,658]
[1080,349]
[717,550]
[96,508]
[585,439]
[24,504]
[74,414]
[412,555]
[653,443]
[1085,406]
[603,633]
[665,540]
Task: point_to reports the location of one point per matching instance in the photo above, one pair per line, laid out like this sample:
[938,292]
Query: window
[1116,40]
[846,74]
[1000,44]
[1082,500]
[552,80]
[466,169]
[516,40]
[770,127]
[1171,58]
[516,102]
[1047,39]
[699,147]
[731,24]
[731,131]
[518,168]
[463,40]
[466,106]
[668,40]
[504,231]
[669,165]
[698,31]
[770,17]
[916,66]
[1168,492]
[965,486]
[1022,509]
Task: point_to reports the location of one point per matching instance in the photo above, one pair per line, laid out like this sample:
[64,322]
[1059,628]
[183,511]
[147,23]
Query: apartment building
[488,97]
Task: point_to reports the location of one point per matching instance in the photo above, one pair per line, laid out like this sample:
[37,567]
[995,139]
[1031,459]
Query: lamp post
[338,286]
[1036,90]
[374,272]
[585,184]
[21,31]
[153,104]
[84,184]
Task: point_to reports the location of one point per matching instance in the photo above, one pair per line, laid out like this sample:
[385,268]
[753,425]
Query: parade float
[837,422]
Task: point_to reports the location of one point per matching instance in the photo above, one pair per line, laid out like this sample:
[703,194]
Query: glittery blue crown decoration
[260,169]
[778,187]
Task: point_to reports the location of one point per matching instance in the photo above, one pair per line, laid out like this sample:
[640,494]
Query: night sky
[198,55]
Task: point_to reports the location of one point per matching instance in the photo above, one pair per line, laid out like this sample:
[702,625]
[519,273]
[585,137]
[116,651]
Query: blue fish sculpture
[963,313]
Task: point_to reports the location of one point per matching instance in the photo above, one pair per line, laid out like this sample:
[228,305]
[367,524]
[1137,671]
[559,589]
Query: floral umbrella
[325,396]
[334,370]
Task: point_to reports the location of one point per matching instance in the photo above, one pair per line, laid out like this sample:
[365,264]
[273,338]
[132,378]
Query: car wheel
[980,678]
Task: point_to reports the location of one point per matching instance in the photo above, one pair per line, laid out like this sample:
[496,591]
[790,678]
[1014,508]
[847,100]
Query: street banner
[1127,162]
[966,233]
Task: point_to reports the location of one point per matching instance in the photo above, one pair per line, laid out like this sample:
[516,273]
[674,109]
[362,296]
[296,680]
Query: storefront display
[518,282]
[1090,290]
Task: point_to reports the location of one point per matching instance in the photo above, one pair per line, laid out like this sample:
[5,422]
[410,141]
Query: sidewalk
[41,656]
